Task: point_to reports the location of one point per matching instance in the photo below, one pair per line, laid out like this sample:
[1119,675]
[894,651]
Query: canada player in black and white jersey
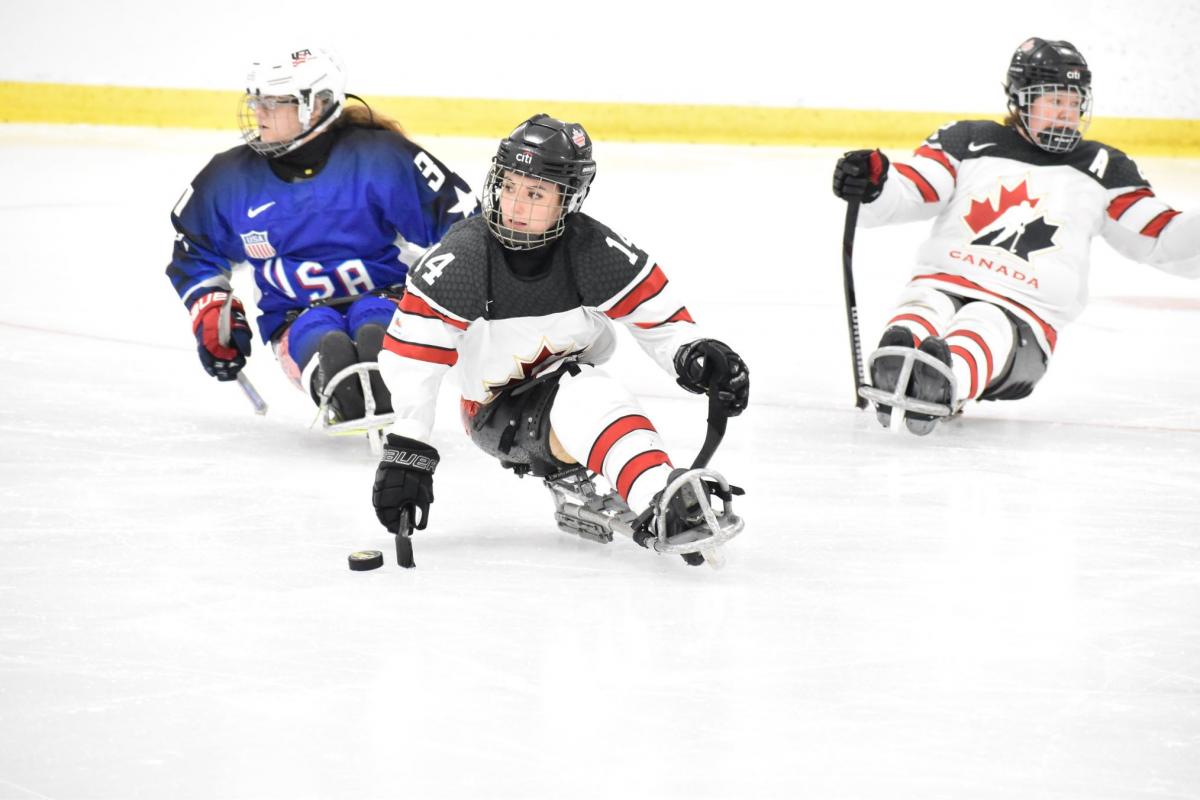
[1015,208]
[522,300]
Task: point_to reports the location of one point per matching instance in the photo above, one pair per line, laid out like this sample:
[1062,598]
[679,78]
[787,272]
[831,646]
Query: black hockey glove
[860,175]
[222,361]
[699,366]
[404,479]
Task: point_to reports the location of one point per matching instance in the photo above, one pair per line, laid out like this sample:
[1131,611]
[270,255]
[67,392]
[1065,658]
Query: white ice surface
[1009,608]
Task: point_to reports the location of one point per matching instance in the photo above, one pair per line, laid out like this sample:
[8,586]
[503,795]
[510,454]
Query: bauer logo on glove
[404,458]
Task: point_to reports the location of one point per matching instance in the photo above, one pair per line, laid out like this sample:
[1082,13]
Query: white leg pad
[923,310]
[980,336]
[603,426]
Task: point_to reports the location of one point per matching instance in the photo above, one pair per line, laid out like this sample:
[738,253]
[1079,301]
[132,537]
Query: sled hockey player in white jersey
[1016,206]
[522,299]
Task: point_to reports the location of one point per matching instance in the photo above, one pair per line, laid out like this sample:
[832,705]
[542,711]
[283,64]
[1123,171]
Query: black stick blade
[404,548]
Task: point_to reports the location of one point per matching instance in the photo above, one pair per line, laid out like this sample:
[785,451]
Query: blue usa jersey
[342,232]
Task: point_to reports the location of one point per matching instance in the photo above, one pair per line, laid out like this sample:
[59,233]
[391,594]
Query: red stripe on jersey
[421,352]
[973,367]
[1155,226]
[938,156]
[681,315]
[924,323]
[978,340]
[411,304]
[610,435]
[651,285]
[928,193]
[636,467]
[958,280]
[1121,204]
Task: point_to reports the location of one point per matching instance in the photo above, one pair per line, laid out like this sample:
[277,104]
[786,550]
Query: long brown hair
[361,115]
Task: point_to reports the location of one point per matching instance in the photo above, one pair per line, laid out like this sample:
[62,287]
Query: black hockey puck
[366,559]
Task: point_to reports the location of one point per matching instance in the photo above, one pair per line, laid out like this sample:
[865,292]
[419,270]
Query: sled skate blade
[714,526]
[896,398]
[713,557]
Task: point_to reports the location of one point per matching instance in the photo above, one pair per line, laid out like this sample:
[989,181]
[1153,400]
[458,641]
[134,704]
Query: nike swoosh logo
[254,212]
[974,148]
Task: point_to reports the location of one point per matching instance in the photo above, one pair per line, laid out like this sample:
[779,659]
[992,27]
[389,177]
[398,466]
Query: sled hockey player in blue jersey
[1016,206]
[522,301]
[327,203]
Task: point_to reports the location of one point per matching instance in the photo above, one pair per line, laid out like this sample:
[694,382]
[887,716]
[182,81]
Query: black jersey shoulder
[981,138]
[604,262]
[1108,166]
[453,273]
[971,139]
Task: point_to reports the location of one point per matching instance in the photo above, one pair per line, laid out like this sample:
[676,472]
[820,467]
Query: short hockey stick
[851,302]
[718,412]
[224,332]
[404,550]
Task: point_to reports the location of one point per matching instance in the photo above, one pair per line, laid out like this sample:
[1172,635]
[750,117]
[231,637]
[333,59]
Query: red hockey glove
[223,362]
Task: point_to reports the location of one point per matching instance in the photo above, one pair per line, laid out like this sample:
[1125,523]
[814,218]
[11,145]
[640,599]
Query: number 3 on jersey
[430,170]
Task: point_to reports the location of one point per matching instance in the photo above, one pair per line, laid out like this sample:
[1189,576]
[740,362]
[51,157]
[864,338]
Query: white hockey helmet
[313,79]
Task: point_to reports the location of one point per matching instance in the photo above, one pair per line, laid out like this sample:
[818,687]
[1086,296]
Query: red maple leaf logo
[983,214]
[526,369]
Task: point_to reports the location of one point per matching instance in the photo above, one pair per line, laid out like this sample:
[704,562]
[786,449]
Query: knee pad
[584,405]
[984,318]
[369,310]
[981,338]
[924,310]
[303,337]
[602,425]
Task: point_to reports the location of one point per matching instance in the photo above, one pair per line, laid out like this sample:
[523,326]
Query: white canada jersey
[464,306]
[1014,224]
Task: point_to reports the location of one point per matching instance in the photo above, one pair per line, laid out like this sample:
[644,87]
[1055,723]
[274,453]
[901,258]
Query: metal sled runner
[897,399]
[371,424]
[580,510]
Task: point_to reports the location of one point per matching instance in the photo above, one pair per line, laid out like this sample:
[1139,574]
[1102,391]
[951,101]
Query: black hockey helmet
[1041,67]
[549,150]
[1038,61]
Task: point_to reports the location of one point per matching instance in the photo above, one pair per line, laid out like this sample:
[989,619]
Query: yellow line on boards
[635,122]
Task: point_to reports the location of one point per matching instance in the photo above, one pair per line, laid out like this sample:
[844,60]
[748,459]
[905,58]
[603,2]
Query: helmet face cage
[248,120]
[545,152]
[1054,135]
[1054,75]
[501,178]
[313,81]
